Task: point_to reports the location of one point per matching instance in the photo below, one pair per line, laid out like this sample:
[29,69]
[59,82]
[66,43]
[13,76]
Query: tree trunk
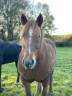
[10,31]
[2,35]
[10,35]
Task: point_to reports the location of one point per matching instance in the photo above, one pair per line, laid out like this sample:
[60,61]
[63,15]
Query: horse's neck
[42,51]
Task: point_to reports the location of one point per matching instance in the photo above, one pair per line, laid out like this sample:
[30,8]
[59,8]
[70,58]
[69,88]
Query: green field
[62,76]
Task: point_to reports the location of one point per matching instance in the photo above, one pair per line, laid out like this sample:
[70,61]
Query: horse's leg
[51,84]
[27,87]
[18,75]
[38,89]
[45,86]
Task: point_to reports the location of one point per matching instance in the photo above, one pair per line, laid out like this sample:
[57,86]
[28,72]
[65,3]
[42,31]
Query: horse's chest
[28,75]
[37,74]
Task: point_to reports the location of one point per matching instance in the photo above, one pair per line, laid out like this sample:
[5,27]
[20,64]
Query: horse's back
[11,52]
[50,51]
[1,47]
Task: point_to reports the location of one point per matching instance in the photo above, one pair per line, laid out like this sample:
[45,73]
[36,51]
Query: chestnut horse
[37,57]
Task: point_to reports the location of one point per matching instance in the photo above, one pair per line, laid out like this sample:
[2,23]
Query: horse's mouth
[29,66]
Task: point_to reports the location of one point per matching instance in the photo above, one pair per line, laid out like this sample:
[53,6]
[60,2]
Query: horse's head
[32,38]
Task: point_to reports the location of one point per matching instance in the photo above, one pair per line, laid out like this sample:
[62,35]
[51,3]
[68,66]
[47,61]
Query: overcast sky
[62,11]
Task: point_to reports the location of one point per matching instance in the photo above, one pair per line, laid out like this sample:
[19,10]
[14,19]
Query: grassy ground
[62,76]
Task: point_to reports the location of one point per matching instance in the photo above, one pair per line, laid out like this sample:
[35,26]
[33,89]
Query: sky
[62,12]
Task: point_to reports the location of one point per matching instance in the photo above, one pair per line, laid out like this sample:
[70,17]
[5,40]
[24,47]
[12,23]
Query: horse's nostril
[32,61]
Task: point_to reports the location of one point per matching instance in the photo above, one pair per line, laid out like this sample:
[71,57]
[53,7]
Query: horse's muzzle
[29,63]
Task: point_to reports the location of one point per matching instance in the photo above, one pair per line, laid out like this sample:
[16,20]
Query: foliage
[48,23]
[59,38]
[10,10]
[68,36]
[63,40]
[62,76]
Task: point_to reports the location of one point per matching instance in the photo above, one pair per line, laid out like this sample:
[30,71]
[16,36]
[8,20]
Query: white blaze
[30,39]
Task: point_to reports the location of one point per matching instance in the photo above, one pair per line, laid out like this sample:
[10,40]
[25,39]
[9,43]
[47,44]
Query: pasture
[62,76]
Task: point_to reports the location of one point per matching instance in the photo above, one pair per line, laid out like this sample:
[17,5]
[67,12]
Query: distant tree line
[63,41]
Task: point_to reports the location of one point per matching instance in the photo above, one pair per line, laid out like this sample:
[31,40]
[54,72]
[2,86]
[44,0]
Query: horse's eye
[39,36]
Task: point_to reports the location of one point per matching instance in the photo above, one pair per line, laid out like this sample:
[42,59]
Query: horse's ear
[23,19]
[39,20]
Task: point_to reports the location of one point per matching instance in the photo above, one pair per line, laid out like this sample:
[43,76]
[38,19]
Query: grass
[62,76]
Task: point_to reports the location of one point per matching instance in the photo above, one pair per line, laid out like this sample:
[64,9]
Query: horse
[37,57]
[9,52]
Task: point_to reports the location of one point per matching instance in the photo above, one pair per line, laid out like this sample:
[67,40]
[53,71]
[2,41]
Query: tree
[2,34]
[48,25]
[10,10]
